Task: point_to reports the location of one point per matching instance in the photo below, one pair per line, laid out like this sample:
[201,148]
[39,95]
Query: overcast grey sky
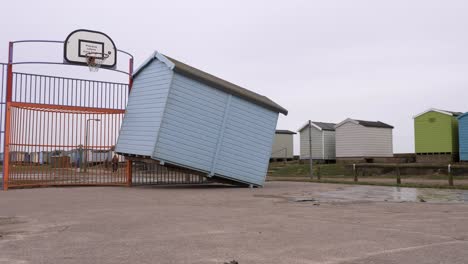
[322,60]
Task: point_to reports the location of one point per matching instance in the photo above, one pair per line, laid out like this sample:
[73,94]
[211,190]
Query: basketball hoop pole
[130,74]
[130,84]
[6,142]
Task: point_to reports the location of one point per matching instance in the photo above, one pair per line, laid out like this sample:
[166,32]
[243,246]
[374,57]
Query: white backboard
[81,42]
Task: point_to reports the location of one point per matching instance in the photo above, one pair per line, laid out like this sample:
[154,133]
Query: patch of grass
[298,169]
[289,169]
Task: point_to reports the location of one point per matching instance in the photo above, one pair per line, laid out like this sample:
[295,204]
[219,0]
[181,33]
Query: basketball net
[95,60]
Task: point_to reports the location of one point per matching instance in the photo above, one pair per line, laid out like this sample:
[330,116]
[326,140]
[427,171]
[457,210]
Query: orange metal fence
[62,131]
[3,79]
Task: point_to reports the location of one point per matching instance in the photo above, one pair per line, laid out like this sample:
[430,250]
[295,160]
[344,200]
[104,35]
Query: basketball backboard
[82,46]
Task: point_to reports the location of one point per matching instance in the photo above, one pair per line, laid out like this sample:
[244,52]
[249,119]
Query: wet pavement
[363,193]
[284,222]
[394,194]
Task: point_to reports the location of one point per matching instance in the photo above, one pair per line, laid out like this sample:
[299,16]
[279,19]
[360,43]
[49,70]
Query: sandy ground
[284,222]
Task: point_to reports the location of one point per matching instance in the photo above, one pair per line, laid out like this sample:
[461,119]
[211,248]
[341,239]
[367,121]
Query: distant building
[322,138]
[19,156]
[283,145]
[436,135]
[360,139]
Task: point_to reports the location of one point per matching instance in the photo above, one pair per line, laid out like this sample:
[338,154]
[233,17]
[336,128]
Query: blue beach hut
[179,115]
[463,136]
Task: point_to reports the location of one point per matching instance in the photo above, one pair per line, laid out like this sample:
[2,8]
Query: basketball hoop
[91,48]
[95,60]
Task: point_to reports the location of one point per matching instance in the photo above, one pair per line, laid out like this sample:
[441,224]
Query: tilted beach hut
[182,116]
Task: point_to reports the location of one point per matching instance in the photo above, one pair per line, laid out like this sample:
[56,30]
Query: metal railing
[3,80]
[151,173]
[444,172]
[45,124]
[52,142]
[53,90]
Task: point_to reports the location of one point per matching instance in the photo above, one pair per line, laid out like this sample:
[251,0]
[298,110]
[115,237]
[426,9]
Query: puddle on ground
[362,193]
[394,194]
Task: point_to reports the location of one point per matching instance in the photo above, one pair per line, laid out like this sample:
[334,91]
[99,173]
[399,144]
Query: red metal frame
[9,87]
[64,108]
[130,85]
[26,148]
[30,125]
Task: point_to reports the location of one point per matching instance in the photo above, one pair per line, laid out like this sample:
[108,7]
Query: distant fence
[445,172]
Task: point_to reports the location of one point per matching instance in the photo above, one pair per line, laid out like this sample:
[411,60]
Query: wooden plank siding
[283,146]
[323,144]
[354,140]
[463,136]
[247,142]
[329,144]
[187,122]
[192,127]
[455,136]
[317,143]
[144,110]
[191,124]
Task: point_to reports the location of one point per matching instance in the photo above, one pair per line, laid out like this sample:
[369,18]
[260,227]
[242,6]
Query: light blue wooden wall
[145,107]
[247,141]
[209,130]
[182,121]
[191,125]
[463,136]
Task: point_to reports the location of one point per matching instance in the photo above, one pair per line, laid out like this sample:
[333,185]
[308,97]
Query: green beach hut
[436,135]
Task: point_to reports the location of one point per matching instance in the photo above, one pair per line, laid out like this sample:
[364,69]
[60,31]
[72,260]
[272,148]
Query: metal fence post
[450,175]
[6,143]
[130,74]
[311,168]
[129,172]
[130,85]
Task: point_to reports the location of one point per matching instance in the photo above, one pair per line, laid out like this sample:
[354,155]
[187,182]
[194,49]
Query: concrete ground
[284,222]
